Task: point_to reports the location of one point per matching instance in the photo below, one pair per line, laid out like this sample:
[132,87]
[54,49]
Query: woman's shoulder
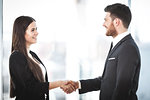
[17,55]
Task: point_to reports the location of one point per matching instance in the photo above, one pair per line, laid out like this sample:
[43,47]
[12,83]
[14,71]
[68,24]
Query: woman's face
[31,34]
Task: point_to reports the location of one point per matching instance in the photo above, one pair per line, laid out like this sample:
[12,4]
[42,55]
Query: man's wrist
[79,85]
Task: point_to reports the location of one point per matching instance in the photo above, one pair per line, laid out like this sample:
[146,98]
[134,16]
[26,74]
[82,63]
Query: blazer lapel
[114,49]
[119,43]
[34,55]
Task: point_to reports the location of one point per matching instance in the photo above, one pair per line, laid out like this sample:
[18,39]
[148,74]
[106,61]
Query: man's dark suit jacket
[27,87]
[121,73]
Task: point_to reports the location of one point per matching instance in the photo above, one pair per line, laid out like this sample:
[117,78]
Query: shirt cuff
[79,85]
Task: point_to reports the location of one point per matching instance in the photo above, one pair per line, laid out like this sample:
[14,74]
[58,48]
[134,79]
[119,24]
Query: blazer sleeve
[23,78]
[90,85]
[127,72]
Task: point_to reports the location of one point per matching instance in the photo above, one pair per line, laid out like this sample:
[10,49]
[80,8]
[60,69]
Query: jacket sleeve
[23,78]
[90,85]
[127,71]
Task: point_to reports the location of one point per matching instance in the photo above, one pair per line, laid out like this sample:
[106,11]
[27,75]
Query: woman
[29,79]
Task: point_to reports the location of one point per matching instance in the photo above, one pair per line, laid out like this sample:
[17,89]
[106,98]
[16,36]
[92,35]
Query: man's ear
[116,22]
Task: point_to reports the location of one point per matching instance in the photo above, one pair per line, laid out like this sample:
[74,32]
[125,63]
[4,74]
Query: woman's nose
[36,32]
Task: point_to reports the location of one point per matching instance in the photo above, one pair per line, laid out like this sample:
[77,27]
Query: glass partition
[1,46]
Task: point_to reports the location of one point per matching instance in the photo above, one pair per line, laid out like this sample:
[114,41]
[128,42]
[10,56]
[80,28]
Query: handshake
[69,86]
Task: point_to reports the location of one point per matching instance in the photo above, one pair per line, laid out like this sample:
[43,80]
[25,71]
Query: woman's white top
[41,66]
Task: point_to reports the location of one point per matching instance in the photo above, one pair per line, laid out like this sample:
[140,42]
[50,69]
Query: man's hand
[69,86]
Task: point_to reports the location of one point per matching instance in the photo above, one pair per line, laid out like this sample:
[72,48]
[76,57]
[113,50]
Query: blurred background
[71,41]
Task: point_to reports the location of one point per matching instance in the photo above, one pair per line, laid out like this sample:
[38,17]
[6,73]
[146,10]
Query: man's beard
[111,31]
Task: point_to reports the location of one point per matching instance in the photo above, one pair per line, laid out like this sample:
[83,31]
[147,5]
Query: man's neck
[120,32]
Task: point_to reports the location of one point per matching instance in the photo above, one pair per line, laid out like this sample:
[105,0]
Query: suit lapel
[119,43]
[114,49]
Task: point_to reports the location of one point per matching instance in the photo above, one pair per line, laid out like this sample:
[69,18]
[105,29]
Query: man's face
[108,24]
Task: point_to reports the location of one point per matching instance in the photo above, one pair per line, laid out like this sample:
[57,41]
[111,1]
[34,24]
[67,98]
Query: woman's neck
[28,50]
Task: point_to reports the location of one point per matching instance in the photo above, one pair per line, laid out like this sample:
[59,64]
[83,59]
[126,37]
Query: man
[119,80]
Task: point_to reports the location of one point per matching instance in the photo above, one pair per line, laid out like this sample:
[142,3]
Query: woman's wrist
[56,84]
[61,83]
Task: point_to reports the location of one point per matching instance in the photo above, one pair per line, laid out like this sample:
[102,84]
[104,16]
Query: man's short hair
[120,11]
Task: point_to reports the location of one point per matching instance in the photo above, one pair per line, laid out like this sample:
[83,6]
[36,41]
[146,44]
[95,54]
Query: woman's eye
[33,30]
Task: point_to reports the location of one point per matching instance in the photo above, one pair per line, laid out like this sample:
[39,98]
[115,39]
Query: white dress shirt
[119,37]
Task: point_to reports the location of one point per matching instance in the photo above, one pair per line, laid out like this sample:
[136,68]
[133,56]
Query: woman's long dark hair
[19,43]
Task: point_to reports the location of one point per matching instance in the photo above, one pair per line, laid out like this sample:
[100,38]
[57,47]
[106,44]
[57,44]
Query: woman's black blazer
[27,87]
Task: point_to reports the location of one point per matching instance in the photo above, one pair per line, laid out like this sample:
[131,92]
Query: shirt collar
[119,37]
